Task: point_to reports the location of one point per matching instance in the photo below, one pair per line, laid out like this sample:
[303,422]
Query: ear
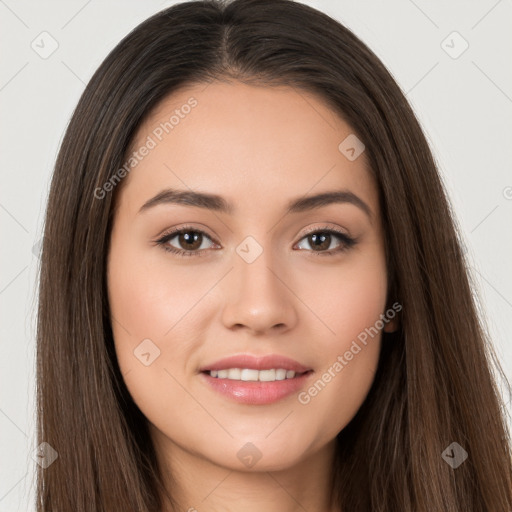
[392,325]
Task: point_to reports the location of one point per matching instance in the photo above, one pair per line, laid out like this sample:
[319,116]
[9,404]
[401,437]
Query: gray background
[464,103]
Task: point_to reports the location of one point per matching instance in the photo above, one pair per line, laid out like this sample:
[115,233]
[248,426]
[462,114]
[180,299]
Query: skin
[258,147]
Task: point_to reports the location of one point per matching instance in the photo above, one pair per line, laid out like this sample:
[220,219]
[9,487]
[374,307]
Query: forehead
[254,145]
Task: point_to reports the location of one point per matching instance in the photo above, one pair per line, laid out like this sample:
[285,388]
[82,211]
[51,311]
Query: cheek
[152,304]
[346,299]
[148,296]
[148,301]
[350,305]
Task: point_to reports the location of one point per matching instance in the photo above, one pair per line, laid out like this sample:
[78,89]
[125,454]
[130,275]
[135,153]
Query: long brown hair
[436,379]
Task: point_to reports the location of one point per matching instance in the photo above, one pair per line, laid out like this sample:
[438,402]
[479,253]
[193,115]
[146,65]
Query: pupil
[190,239]
[321,239]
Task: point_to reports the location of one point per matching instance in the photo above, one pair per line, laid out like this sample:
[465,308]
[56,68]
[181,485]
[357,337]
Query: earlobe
[391,326]
[393,319]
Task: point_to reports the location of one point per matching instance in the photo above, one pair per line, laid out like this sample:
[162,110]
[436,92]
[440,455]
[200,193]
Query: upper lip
[256,363]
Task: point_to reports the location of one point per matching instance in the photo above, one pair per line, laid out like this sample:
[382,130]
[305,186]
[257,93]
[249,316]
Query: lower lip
[256,392]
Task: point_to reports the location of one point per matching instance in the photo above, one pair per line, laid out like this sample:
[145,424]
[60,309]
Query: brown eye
[185,242]
[319,242]
[190,240]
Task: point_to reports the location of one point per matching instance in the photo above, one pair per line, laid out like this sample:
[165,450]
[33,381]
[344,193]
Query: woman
[253,294]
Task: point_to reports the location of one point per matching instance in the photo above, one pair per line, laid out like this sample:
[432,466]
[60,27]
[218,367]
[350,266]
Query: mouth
[253,380]
[256,392]
[253,375]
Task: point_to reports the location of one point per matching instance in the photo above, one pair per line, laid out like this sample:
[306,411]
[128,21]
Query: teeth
[267,375]
[248,374]
[280,374]
[234,373]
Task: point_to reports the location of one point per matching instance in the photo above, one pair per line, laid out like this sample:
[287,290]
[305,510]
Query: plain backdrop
[451,59]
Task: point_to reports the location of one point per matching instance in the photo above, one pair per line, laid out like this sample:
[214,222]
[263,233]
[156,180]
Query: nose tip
[258,299]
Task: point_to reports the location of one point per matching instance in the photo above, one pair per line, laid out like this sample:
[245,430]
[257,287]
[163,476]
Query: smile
[249,374]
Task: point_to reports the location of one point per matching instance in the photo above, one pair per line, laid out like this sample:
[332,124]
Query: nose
[258,298]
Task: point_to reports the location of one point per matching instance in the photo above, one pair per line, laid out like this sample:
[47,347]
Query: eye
[321,239]
[190,240]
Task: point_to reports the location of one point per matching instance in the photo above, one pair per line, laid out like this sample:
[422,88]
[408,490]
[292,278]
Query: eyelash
[347,241]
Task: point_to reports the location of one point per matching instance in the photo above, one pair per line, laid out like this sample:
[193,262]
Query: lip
[256,392]
[256,363]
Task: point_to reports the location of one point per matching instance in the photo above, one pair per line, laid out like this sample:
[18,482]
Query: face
[239,320]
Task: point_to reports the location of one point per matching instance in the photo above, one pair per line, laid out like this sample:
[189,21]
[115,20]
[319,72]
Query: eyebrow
[220,204]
